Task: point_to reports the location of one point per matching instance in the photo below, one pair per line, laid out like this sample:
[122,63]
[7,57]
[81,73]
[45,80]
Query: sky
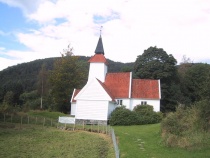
[31,30]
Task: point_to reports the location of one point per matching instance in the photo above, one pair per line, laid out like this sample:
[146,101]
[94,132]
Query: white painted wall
[93,91]
[92,110]
[111,107]
[73,108]
[97,70]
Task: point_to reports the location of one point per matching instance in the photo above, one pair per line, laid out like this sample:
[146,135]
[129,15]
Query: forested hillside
[23,77]
[49,83]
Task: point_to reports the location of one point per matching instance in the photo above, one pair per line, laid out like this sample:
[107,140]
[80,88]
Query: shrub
[142,114]
[204,114]
[146,115]
[144,109]
[187,126]
[122,116]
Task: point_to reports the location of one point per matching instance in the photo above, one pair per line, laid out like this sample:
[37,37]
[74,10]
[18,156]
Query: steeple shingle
[99,47]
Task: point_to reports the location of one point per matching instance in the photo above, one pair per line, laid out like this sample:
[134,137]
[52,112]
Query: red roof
[75,93]
[118,84]
[145,88]
[107,90]
[98,58]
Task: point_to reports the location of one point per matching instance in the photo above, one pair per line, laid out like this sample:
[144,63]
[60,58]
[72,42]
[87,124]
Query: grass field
[36,141]
[144,141]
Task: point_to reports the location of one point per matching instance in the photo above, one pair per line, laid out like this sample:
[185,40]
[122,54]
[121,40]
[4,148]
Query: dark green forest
[19,84]
[40,84]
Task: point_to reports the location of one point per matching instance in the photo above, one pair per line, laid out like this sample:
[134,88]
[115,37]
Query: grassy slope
[145,142]
[35,141]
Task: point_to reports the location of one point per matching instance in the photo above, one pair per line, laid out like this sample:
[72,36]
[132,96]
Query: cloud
[27,6]
[129,27]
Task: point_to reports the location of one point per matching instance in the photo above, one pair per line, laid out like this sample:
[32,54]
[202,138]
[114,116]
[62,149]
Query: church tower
[98,63]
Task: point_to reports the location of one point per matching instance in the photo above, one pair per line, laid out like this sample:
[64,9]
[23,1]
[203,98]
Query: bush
[187,127]
[142,114]
[143,109]
[204,114]
[122,116]
[146,115]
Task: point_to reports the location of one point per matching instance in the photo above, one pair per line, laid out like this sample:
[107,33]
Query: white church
[105,91]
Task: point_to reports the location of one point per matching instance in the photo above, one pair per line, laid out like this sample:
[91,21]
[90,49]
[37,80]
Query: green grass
[36,141]
[144,141]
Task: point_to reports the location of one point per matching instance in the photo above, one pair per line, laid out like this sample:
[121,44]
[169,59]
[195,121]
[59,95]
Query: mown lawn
[37,141]
[144,141]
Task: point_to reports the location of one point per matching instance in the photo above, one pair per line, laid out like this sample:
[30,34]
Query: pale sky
[37,29]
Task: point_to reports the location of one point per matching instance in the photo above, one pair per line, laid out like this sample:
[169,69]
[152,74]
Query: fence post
[11,118]
[98,126]
[51,122]
[4,118]
[28,119]
[36,121]
[91,127]
[74,126]
[83,125]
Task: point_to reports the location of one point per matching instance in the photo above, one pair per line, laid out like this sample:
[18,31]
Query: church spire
[99,47]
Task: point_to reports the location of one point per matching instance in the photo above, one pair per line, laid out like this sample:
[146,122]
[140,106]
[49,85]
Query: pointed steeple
[99,47]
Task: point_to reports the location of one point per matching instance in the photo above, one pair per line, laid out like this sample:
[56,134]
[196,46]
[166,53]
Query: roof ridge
[106,89]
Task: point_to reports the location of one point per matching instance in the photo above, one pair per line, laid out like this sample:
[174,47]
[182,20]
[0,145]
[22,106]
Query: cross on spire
[101,30]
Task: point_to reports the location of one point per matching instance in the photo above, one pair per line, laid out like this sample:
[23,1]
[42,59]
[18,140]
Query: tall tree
[69,72]
[155,63]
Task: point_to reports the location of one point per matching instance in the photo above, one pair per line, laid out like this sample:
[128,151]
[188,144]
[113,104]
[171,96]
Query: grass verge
[144,141]
[36,141]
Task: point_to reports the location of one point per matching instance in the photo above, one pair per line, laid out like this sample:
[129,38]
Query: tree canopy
[68,73]
[155,63]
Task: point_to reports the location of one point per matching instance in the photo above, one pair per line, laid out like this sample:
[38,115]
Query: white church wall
[93,91]
[73,108]
[112,106]
[95,71]
[91,110]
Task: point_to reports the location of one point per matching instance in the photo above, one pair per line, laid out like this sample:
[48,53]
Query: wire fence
[26,119]
[114,140]
[85,126]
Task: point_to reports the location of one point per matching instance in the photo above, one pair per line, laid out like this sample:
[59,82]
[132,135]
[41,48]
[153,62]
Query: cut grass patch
[36,141]
[144,141]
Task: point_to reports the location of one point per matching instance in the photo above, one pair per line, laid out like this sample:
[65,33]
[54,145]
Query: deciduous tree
[155,63]
[68,73]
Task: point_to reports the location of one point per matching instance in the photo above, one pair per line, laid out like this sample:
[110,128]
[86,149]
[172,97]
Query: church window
[143,103]
[119,102]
